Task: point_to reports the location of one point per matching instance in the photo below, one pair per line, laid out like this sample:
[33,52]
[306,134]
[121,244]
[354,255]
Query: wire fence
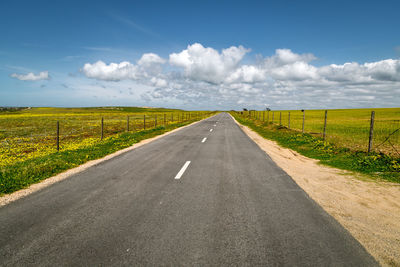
[24,137]
[356,130]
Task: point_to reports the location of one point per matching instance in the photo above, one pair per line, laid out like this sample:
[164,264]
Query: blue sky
[282,57]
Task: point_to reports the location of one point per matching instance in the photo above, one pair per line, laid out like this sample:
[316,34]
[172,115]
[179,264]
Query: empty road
[204,195]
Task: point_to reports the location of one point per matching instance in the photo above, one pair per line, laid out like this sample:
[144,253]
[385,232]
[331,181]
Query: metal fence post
[326,115]
[371,131]
[58,136]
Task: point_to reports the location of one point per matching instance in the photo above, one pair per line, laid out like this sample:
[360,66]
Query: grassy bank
[376,165]
[22,174]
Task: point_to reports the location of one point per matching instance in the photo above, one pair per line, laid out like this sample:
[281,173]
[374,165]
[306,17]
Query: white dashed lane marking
[180,173]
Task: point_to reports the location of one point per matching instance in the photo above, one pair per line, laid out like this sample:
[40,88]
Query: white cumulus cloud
[150,59]
[247,74]
[111,72]
[207,64]
[207,77]
[149,64]
[43,75]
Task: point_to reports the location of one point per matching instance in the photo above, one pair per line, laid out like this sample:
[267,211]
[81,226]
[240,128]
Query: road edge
[245,129]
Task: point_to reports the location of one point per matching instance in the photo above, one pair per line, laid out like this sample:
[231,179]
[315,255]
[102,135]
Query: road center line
[211,130]
[204,139]
[180,173]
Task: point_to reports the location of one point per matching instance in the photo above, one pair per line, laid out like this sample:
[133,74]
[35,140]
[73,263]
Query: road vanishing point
[203,195]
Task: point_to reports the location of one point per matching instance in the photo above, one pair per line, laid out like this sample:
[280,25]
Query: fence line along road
[43,135]
[371,131]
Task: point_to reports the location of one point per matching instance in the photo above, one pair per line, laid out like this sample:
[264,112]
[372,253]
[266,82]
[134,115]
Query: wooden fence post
[127,123]
[371,131]
[280,118]
[58,136]
[102,128]
[172,117]
[155,122]
[326,115]
[273,113]
[289,120]
[144,122]
[304,118]
[268,117]
[165,119]
[263,115]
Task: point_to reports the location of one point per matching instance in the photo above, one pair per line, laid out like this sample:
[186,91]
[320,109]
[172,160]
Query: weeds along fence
[24,137]
[359,130]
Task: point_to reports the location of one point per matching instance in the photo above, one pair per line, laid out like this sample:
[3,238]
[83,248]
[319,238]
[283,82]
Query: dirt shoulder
[369,210]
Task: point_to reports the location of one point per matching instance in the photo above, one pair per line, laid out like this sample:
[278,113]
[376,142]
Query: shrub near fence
[345,128]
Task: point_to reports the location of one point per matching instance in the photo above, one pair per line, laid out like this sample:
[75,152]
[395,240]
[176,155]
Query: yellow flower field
[31,133]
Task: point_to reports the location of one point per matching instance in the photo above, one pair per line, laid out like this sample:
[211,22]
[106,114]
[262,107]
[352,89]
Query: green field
[347,135]
[28,151]
[345,127]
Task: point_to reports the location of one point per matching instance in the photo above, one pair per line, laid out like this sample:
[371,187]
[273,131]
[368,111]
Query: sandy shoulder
[369,210]
[4,200]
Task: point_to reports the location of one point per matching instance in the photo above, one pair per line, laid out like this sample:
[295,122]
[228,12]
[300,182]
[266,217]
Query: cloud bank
[204,76]
[44,75]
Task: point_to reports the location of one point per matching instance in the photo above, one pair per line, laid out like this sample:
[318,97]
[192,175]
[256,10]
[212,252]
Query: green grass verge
[375,165]
[22,174]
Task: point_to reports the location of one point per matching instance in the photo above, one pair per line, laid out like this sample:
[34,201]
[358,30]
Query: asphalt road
[231,205]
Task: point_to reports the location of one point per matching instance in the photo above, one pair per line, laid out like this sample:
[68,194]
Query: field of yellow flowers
[28,147]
